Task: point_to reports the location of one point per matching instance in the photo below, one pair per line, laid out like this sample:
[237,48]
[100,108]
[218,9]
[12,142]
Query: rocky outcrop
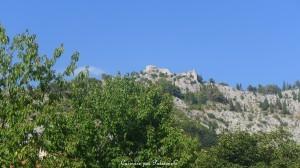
[251,118]
[186,81]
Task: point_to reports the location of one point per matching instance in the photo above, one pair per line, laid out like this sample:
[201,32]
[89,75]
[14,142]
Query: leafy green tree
[242,149]
[26,79]
[238,148]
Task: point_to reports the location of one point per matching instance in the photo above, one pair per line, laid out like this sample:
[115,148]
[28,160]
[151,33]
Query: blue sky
[255,41]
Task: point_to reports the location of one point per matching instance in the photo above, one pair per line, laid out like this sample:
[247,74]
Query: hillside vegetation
[120,121]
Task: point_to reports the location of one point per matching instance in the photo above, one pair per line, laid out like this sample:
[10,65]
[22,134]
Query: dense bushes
[206,137]
[256,150]
[207,93]
[170,88]
[268,89]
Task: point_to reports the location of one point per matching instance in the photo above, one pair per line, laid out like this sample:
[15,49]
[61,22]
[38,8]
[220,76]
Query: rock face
[150,69]
[251,118]
[186,81]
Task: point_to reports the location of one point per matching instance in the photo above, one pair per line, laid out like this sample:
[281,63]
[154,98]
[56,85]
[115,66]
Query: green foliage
[268,89]
[200,79]
[211,81]
[294,96]
[278,104]
[206,93]
[285,109]
[196,98]
[162,75]
[235,106]
[264,105]
[239,86]
[170,88]
[105,76]
[231,106]
[206,136]
[251,88]
[256,150]
[154,76]
[27,80]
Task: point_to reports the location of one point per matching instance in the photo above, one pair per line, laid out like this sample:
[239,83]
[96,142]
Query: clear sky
[255,41]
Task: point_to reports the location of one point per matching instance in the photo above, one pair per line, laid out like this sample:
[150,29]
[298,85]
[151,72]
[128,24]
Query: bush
[170,88]
[242,149]
[264,105]
[269,89]
[211,115]
[206,93]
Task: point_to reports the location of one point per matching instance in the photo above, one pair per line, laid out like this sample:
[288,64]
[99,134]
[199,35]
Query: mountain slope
[232,109]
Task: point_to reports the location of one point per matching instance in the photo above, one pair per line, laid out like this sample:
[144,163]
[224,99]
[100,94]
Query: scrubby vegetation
[49,121]
[207,93]
[170,88]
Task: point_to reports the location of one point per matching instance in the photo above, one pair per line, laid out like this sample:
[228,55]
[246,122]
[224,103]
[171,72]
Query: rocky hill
[224,108]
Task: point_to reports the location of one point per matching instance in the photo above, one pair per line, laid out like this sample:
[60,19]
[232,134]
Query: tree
[269,89]
[278,104]
[297,84]
[284,86]
[26,79]
[212,81]
[200,79]
[285,109]
[252,88]
[294,96]
[242,149]
[264,105]
[105,76]
[239,86]
[238,148]
[280,95]
[231,106]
